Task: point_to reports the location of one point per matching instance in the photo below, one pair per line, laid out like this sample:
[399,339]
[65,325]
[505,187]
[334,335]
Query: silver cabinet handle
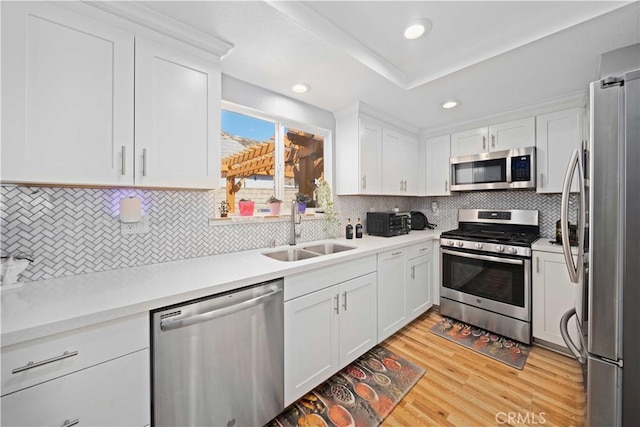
[31,365]
[124,160]
[364,182]
[405,185]
[484,142]
[401,185]
[493,141]
[446,185]
[424,249]
[396,253]
[337,303]
[541,180]
[413,271]
[344,302]
[537,264]
[68,423]
[144,162]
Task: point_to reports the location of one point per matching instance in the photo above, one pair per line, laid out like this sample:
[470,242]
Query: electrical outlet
[139,227]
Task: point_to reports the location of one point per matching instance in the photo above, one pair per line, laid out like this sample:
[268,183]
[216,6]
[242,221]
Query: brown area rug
[505,350]
[362,394]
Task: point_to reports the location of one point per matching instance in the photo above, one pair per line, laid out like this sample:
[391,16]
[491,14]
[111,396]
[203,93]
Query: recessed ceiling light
[300,88]
[450,104]
[417,29]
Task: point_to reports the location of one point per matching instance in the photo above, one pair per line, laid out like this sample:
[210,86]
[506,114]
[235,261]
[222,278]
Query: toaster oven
[388,224]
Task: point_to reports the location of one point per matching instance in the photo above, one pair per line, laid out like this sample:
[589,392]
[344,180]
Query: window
[263,156]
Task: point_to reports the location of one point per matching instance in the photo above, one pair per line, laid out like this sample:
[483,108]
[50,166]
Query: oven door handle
[484,257]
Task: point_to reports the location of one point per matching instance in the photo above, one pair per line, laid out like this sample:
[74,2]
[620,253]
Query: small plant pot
[302,207]
[274,208]
[246,208]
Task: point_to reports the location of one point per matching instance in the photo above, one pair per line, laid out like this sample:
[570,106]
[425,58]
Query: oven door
[495,283]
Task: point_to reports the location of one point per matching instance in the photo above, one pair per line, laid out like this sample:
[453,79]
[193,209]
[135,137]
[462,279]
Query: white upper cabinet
[502,136]
[177,112]
[374,157]
[472,141]
[408,165]
[435,167]
[399,163]
[392,183]
[67,102]
[557,135]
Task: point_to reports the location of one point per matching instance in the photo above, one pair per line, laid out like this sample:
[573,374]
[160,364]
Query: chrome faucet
[294,212]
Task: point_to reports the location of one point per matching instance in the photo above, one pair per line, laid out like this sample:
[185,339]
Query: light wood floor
[464,388]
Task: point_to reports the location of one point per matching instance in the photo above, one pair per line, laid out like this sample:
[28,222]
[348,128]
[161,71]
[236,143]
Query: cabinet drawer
[415,251]
[314,280]
[93,344]
[115,393]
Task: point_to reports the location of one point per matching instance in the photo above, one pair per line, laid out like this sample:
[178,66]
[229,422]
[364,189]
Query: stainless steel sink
[290,254]
[306,252]
[328,248]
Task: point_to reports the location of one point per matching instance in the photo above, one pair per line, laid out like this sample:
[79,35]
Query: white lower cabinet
[552,295]
[419,282]
[115,393]
[392,290]
[98,375]
[325,330]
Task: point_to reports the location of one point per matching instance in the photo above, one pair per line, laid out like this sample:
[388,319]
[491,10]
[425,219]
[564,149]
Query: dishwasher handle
[170,324]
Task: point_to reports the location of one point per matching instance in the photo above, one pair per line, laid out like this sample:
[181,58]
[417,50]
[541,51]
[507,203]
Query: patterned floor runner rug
[361,395]
[505,350]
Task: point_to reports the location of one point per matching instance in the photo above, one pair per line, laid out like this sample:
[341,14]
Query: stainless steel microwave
[508,169]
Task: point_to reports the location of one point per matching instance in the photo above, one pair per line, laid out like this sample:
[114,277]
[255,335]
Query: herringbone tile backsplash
[76,230]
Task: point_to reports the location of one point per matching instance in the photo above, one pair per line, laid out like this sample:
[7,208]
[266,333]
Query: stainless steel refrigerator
[607,268]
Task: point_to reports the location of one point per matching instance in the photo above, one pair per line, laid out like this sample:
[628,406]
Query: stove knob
[450,243]
[500,248]
[512,250]
[478,245]
[459,244]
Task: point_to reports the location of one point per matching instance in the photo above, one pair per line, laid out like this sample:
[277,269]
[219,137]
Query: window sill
[260,219]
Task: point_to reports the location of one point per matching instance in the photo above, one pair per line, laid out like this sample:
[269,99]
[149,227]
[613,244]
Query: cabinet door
[557,135]
[514,134]
[358,307]
[67,101]
[408,165]
[392,180]
[552,295]
[391,292]
[115,393]
[370,156]
[472,141]
[419,286]
[438,152]
[177,118]
[310,341]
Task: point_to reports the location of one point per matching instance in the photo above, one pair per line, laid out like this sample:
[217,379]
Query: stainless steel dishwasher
[219,361]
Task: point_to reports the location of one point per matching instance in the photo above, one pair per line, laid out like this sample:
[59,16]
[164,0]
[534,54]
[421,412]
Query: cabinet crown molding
[163,24]
[366,109]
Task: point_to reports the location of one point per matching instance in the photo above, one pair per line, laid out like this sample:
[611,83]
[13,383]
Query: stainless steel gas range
[485,270]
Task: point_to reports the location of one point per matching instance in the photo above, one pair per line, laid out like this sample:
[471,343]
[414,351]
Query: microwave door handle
[508,166]
[572,267]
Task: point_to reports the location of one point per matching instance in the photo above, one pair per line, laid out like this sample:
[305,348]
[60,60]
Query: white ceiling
[492,56]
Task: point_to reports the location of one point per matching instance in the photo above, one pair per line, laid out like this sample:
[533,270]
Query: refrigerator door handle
[573,348]
[573,267]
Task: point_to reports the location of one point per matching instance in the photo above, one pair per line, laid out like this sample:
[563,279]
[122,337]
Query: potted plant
[246,207]
[302,200]
[274,205]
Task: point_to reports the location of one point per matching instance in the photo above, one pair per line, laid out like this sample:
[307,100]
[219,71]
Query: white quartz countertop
[39,309]
[547,245]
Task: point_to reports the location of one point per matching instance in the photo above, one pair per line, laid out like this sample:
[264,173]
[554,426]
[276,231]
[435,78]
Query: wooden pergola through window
[303,161]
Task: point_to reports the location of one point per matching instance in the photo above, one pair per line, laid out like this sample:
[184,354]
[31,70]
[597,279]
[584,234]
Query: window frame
[281,123]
